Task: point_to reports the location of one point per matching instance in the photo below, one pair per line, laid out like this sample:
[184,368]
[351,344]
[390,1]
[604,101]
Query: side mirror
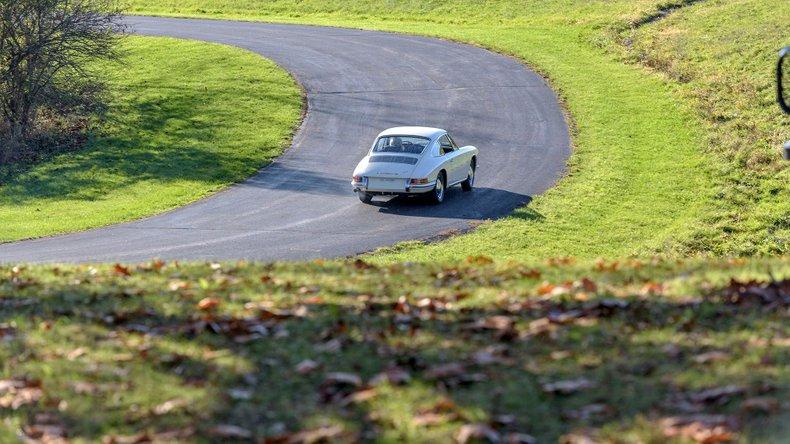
[782,83]
[783,70]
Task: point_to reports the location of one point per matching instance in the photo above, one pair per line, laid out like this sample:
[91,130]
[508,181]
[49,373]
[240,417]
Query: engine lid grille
[394,159]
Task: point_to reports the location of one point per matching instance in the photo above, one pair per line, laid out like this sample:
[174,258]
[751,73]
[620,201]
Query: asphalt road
[358,83]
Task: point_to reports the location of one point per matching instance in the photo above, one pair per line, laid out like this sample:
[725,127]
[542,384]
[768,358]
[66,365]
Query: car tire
[436,196]
[467,184]
[364,197]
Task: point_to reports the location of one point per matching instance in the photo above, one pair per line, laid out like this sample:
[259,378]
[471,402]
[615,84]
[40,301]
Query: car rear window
[401,144]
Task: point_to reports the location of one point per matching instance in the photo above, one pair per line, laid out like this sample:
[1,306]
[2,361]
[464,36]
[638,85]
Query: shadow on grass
[164,139]
[142,349]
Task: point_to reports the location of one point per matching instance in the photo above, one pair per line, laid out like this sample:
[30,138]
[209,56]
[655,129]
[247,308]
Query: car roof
[421,131]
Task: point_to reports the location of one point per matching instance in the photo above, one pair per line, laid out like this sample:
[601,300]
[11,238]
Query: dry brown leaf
[542,326]
[45,433]
[15,393]
[564,317]
[444,371]
[519,438]
[432,418]
[716,394]
[170,405]
[240,394]
[393,375]
[589,411]
[76,353]
[469,432]
[711,356]
[763,404]
[587,284]
[122,270]
[306,366]
[312,436]
[652,288]
[229,431]
[342,378]
[208,303]
[546,288]
[705,429]
[567,387]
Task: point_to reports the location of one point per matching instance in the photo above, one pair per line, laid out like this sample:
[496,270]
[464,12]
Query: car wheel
[467,184]
[364,197]
[437,195]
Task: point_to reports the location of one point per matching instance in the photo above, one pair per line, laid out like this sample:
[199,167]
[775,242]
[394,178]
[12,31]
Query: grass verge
[641,179]
[636,351]
[186,119]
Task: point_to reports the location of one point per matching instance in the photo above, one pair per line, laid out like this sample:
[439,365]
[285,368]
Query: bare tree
[46,47]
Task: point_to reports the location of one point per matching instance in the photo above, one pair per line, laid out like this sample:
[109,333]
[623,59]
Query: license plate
[380,183]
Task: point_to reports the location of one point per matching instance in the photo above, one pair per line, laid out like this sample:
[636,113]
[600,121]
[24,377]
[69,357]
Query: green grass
[722,54]
[186,119]
[642,178]
[103,352]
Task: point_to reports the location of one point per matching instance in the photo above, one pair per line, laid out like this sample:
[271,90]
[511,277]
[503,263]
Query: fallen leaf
[546,288]
[568,387]
[306,366]
[360,396]
[542,326]
[587,284]
[168,406]
[393,375]
[651,288]
[564,317]
[588,412]
[519,438]
[312,436]
[229,431]
[705,429]
[432,418]
[177,285]
[84,388]
[444,371]
[15,393]
[76,353]
[711,356]
[479,260]
[762,404]
[208,303]
[339,385]
[718,395]
[122,270]
[341,378]
[240,394]
[469,432]
[45,433]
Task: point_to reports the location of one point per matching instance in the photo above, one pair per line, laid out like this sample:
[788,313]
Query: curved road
[357,83]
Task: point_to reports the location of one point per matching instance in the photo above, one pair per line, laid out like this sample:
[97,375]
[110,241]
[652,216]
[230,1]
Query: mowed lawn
[185,120]
[650,172]
[631,351]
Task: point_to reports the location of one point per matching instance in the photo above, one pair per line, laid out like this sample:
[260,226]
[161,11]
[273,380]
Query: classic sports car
[413,160]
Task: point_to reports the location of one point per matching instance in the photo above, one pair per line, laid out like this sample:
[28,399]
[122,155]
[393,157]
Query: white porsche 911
[413,160]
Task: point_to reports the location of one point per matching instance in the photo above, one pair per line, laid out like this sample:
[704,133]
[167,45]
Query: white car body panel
[387,173]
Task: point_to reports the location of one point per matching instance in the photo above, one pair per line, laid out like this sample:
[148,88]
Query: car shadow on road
[480,204]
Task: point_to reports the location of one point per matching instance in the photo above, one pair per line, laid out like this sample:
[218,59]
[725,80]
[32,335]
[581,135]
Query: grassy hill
[654,169]
[633,351]
[185,119]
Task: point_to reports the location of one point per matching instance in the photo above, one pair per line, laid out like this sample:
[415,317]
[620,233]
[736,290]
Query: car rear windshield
[401,144]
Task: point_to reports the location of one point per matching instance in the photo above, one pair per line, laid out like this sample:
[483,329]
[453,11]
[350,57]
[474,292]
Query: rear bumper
[407,188]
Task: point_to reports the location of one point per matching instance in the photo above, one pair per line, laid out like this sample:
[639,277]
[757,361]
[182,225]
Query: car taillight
[418,181]
[356,178]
